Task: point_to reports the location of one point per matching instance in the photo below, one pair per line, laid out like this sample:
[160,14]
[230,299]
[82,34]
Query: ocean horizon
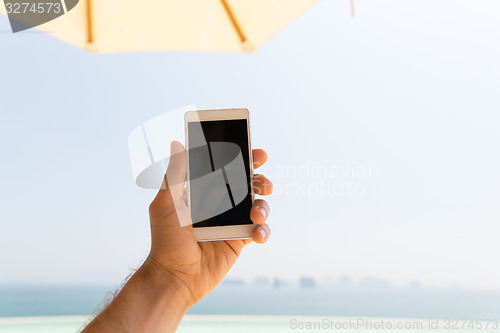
[422,303]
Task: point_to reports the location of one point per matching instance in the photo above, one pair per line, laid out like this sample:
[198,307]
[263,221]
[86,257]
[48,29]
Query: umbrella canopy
[104,26]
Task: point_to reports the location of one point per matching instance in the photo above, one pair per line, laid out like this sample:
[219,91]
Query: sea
[266,309]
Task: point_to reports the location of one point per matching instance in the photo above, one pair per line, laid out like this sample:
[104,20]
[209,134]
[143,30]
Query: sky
[382,132]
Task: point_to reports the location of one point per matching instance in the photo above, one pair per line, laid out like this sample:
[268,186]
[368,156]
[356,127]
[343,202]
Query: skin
[179,271]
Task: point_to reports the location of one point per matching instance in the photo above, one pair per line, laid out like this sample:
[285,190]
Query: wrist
[169,291]
[150,301]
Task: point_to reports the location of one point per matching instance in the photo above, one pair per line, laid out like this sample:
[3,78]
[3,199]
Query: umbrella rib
[90,23]
[234,22]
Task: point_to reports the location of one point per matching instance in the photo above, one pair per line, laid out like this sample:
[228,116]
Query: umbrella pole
[352,7]
[234,22]
[90,23]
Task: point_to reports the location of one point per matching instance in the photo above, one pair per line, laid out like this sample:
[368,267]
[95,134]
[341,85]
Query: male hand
[197,268]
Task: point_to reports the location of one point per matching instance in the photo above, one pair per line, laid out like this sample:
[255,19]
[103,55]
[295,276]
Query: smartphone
[220,171]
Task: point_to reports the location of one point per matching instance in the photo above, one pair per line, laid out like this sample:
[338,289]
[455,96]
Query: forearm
[149,302]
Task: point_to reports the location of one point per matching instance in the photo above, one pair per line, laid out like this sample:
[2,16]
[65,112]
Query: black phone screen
[219,173]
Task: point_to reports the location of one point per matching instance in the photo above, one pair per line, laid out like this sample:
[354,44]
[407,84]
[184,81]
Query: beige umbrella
[148,25]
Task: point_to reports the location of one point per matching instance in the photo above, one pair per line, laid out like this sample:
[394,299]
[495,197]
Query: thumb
[170,194]
[175,176]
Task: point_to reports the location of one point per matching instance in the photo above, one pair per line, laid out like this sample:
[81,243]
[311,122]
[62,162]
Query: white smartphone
[220,171]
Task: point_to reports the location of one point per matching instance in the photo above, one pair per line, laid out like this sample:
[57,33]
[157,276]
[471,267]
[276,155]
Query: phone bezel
[230,232]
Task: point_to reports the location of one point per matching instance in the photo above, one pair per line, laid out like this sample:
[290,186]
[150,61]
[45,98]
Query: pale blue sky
[406,88]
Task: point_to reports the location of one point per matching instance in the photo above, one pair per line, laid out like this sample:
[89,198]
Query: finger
[173,181]
[259,158]
[261,233]
[262,185]
[259,212]
[236,245]
[175,176]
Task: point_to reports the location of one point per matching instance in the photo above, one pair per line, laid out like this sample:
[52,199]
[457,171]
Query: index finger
[259,158]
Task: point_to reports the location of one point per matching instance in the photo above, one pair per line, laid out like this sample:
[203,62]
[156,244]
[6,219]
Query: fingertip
[259,157]
[260,211]
[256,216]
[262,185]
[261,233]
[262,154]
[175,175]
[176,147]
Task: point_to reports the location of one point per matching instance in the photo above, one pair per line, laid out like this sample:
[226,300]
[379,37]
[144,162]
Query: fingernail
[263,233]
[263,211]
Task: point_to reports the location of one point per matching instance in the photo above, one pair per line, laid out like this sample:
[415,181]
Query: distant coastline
[381,301]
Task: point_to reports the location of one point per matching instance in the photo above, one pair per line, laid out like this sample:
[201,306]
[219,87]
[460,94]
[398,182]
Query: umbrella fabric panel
[105,26]
[145,25]
[259,20]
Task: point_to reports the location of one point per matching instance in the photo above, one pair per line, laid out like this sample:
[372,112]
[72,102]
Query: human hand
[196,268]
